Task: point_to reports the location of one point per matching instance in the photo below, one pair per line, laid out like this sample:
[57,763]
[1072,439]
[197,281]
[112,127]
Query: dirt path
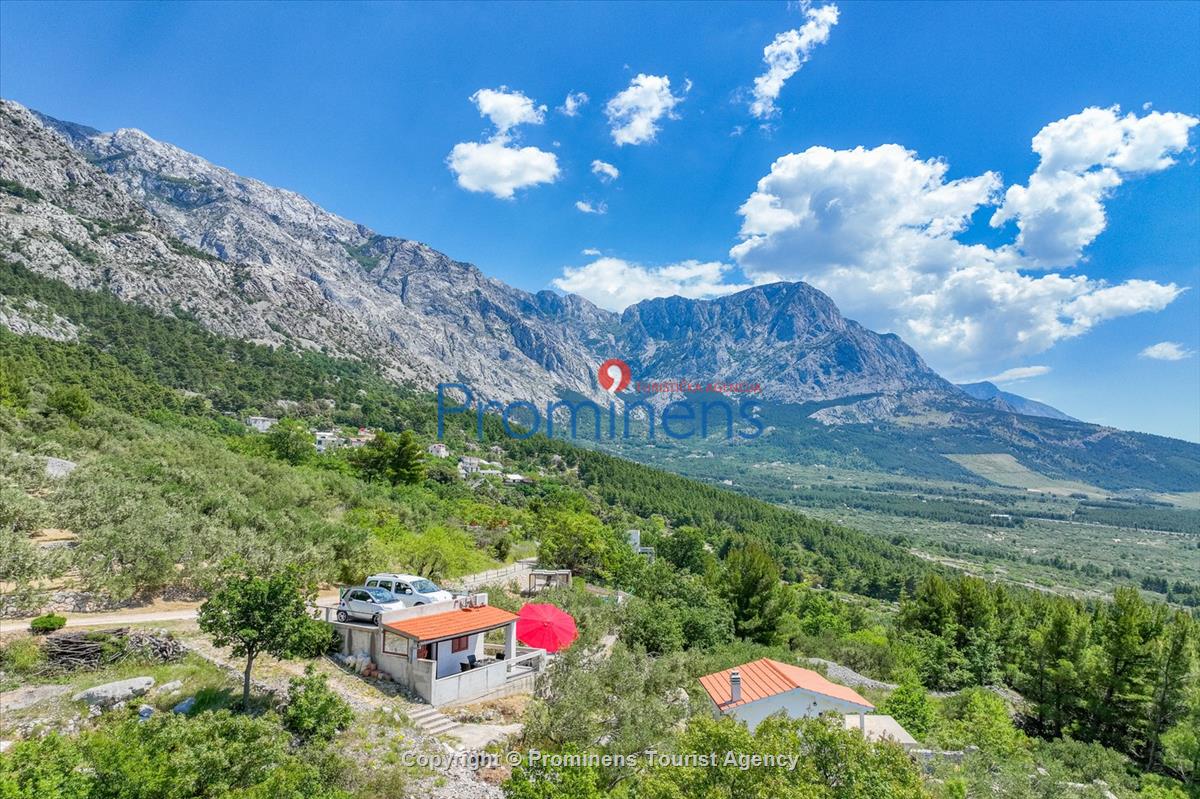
[184,611]
[117,618]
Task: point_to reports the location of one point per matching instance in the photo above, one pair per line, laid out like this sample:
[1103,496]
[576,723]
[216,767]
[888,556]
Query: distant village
[330,440]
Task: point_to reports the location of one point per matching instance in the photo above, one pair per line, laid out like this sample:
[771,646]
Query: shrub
[209,756]
[22,656]
[71,401]
[314,712]
[47,623]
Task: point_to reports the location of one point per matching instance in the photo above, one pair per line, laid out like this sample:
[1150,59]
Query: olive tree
[253,614]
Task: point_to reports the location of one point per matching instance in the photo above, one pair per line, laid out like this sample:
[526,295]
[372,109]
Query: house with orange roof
[758,689]
[441,650]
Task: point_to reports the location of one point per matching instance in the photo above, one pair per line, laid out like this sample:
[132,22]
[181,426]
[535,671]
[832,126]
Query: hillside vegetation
[170,485]
[183,380]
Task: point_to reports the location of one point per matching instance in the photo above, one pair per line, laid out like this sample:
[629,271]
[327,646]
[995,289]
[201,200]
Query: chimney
[735,686]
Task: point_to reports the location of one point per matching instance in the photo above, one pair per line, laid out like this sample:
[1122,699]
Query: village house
[472,465]
[440,651]
[326,440]
[438,450]
[635,541]
[261,423]
[755,690]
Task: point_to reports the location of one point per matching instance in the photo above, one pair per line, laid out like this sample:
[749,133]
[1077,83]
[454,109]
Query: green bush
[47,623]
[214,755]
[71,401]
[314,712]
[22,656]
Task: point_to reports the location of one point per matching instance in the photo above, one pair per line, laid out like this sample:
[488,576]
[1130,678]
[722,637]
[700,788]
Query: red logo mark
[614,375]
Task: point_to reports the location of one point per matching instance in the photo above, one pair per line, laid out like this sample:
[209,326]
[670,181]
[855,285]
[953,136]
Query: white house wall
[450,663]
[797,703]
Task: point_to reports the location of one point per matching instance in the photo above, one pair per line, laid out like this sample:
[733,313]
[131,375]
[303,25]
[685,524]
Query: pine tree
[1172,664]
[752,586]
[1121,662]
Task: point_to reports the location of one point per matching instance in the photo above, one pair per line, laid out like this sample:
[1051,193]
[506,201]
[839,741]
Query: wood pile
[89,649]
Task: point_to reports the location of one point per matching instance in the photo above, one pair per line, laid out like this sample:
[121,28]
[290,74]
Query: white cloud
[590,251]
[605,171]
[1166,351]
[589,208]
[634,114]
[1084,157]
[787,53]
[507,109]
[1019,373]
[877,230]
[572,104]
[615,284]
[497,166]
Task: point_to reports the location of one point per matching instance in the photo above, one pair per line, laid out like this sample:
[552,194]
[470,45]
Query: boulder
[59,467]
[114,693]
[169,687]
[184,706]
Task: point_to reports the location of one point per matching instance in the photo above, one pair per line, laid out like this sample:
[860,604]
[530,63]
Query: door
[405,593]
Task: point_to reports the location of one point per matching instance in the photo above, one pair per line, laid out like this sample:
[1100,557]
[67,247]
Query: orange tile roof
[452,623]
[766,677]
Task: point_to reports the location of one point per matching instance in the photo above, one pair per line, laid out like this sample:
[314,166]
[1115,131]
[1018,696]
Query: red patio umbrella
[546,627]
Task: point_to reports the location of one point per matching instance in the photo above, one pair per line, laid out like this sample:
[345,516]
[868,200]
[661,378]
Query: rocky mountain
[1012,403]
[158,226]
[787,335]
[163,227]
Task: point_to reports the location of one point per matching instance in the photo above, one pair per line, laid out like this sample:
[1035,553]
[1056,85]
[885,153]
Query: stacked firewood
[89,649]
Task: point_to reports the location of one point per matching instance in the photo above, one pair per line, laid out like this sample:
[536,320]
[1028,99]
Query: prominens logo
[704,406]
[614,375]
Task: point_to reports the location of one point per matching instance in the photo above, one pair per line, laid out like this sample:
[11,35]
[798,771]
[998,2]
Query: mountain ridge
[1014,403]
[464,320]
[152,224]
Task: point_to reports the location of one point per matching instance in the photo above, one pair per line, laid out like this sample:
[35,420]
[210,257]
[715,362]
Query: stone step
[444,726]
[431,720]
[425,713]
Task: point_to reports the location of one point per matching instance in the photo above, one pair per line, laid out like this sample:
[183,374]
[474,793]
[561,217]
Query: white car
[409,589]
[366,602]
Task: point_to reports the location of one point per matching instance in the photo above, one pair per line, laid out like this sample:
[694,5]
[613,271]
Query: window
[424,652]
[459,644]
[361,596]
[395,645]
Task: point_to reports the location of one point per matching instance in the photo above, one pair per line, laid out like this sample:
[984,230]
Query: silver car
[366,602]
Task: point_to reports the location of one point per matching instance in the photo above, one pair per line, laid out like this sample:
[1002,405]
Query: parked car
[366,602]
[409,588]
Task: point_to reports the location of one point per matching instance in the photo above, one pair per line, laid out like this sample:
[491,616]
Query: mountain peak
[325,282]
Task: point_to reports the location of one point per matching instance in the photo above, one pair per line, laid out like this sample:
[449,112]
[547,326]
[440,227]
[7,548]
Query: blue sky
[359,108]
